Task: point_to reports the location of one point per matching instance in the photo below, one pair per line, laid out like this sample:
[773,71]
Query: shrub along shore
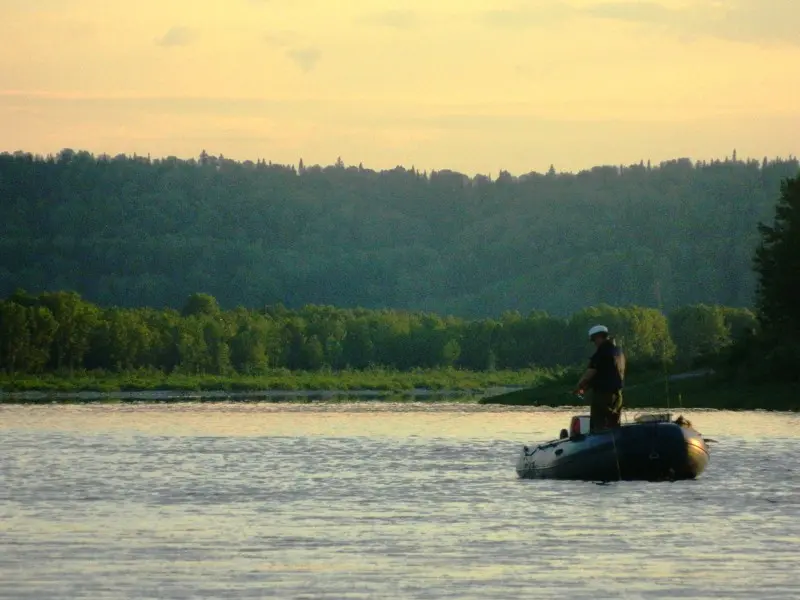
[377,380]
[60,332]
[59,344]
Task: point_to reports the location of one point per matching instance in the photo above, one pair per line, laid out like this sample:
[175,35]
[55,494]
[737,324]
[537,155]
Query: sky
[470,85]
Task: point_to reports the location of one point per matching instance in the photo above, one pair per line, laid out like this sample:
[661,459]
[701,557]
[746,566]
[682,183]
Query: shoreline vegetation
[704,391]
[373,381]
[700,389]
[58,346]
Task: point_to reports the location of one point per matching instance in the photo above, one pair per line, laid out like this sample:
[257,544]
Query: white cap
[597,329]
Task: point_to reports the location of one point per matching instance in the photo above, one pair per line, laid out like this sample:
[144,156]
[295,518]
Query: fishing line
[654,455]
[616,455]
[664,346]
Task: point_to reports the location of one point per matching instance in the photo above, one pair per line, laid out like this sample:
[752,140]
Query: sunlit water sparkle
[377,500]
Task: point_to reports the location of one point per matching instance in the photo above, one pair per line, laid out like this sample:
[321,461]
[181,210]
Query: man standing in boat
[605,375]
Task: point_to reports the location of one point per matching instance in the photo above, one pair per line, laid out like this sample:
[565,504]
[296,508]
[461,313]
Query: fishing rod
[664,346]
[664,361]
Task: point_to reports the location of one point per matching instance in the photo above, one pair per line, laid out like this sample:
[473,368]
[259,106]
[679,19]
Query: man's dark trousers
[606,408]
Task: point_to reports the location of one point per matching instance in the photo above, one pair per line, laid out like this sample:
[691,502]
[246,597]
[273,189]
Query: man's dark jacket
[609,362]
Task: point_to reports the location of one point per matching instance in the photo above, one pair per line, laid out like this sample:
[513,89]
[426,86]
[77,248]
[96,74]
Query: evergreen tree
[777,262]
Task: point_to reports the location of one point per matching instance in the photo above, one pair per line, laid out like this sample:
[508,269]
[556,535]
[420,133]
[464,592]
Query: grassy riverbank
[371,379]
[649,390]
[538,387]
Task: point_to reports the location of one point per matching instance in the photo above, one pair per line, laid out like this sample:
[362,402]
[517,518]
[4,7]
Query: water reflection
[362,500]
[350,417]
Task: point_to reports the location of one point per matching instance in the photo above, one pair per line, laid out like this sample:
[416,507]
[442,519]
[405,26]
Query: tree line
[62,332]
[135,231]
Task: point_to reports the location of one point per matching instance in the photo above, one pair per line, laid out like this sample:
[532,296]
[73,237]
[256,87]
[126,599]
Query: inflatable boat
[652,448]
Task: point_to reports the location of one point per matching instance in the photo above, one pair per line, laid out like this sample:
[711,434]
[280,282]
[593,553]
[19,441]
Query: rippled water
[375,500]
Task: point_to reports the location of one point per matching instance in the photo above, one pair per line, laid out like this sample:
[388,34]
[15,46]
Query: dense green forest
[133,232]
[60,332]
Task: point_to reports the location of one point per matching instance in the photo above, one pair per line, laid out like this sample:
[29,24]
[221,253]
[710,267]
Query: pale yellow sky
[470,85]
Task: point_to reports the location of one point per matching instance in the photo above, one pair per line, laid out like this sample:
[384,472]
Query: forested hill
[131,231]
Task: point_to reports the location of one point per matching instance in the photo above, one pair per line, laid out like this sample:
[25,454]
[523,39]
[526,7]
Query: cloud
[176,36]
[763,22]
[32,5]
[156,104]
[305,58]
[750,21]
[397,19]
[281,39]
[631,11]
[531,14]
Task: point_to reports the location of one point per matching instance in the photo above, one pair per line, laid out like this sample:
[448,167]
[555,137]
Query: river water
[377,500]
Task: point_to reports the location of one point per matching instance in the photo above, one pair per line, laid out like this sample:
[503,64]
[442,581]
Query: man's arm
[586,378]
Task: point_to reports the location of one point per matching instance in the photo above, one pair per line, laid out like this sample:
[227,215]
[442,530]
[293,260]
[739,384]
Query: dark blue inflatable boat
[653,448]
